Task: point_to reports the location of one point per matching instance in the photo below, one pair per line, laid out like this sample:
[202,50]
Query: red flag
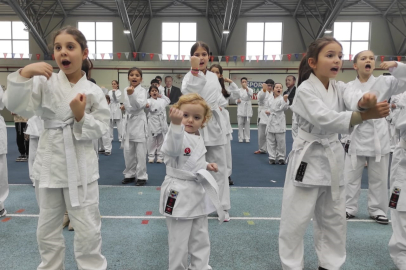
[119,55]
[183,58]
[53,56]
[169,57]
[382,58]
[242,58]
[134,54]
[5,55]
[102,55]
[350,57]
[289,56]
[273,57]
[21,55]
[227,59]
[38,55]
[257,56]
[399,58]
[151,56]
[211,58]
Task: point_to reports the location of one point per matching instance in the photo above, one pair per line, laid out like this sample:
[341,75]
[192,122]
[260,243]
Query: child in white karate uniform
[276,126]
[314,184]
[135,130]
[3,160]
[104,143]
[244,111]
[115,112]
[189,193]
[263,96]
[157,125]
[75,112]
[35,127]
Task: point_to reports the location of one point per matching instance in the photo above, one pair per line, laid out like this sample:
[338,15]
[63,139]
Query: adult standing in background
[23,144]
[291,88]
[172,92]
[3,160]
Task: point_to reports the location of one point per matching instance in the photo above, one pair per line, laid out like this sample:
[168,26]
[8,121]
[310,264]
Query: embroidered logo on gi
[187,151]
[173,194]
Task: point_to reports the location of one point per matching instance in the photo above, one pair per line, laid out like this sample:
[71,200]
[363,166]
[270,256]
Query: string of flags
[279,57]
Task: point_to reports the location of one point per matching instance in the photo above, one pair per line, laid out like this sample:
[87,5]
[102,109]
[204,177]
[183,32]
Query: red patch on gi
[145,222]
[5,219]
[20,211]
[187,151]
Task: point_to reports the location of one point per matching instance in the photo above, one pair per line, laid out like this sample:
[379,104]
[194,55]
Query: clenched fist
[195,61]
[176,116]
[78,105]
[37,69]
[130,90]
[367,101]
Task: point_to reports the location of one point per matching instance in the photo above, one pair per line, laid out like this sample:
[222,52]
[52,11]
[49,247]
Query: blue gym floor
[135,235]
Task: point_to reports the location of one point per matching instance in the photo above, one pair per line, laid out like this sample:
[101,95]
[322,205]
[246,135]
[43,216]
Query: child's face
[134,78]
[159,80]
[216,71]
[154,93]
[270,87]
[68,53]
[329,61]
[277,91]
[204,57]
[193,117]
[114,85]
[365,63]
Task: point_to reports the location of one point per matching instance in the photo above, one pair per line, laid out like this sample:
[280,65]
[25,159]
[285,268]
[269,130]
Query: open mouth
[134,81]
[368,67]
[201,63]
[65,63]
[335,69]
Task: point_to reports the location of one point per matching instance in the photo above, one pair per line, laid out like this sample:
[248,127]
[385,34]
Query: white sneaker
[240,140]
[227,216]
[159,161]
[150,160]
[3,212]
[247,141]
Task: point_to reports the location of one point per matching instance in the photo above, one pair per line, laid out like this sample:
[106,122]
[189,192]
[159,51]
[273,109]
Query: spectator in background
[172,92]
[22,143]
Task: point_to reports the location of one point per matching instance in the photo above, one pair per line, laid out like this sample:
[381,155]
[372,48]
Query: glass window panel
[105,47]
[184,49]
[346,50]
[5,30]
[255,48]
[171,48]
[18,31]
[360,31]
[87,28]
[356,47]
[255,31]
[342,30]
[273,48]
[104,31]
[5,47]
[170,31]
[91,45]
[20,46]
[273,31]
[187,32]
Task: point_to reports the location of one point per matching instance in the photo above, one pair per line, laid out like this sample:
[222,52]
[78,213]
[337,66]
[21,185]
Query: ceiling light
[328,31]
[226,31]
[127,31]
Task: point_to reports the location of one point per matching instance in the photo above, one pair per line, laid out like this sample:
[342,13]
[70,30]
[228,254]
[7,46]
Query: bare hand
[212,167]
[78,105]
[159,95]
[264,87]
[388,64]
[37,69]
[195,61]
[367,101]
[122,107]
[285,97]
[238,100]
[176,116]
[114,90]
[227,80]
[393,106]
[130,90]
[267,112]
[380,110]
[147,106]
[220,108]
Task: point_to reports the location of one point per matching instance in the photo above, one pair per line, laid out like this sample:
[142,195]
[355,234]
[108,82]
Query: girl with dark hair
[115,112]
[232,91]
[206,84]
[314,184]
[65,170]
[135,128]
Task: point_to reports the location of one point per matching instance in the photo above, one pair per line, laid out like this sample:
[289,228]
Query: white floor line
[162,217]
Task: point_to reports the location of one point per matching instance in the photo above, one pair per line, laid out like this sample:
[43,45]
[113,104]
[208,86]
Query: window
[354,36]
[264,39]
[177,39]
[13,39]
[99,37]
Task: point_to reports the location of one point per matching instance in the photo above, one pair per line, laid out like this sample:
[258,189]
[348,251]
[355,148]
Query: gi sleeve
[351,95]
[387,86]
[1,98]
[138,100]
[166,99]
[193,84]
[24,95]
[400,122]
[282,105]
[172,145]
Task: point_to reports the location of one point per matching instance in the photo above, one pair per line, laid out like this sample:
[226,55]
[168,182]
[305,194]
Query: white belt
[125,143]
[206,180]
[73,162]
[325,141]
[162,121]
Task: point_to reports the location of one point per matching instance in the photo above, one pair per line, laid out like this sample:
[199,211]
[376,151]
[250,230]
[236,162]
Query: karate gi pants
[154,146]
[217,154]
[105,143]
[117,123]
[377,184]
[299,205]
[33,153]
[188,236]
[229,157]
[135,158]
[3,180]
[276,145]
[397,243]
[262,143]
[53,202]
[244,127]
